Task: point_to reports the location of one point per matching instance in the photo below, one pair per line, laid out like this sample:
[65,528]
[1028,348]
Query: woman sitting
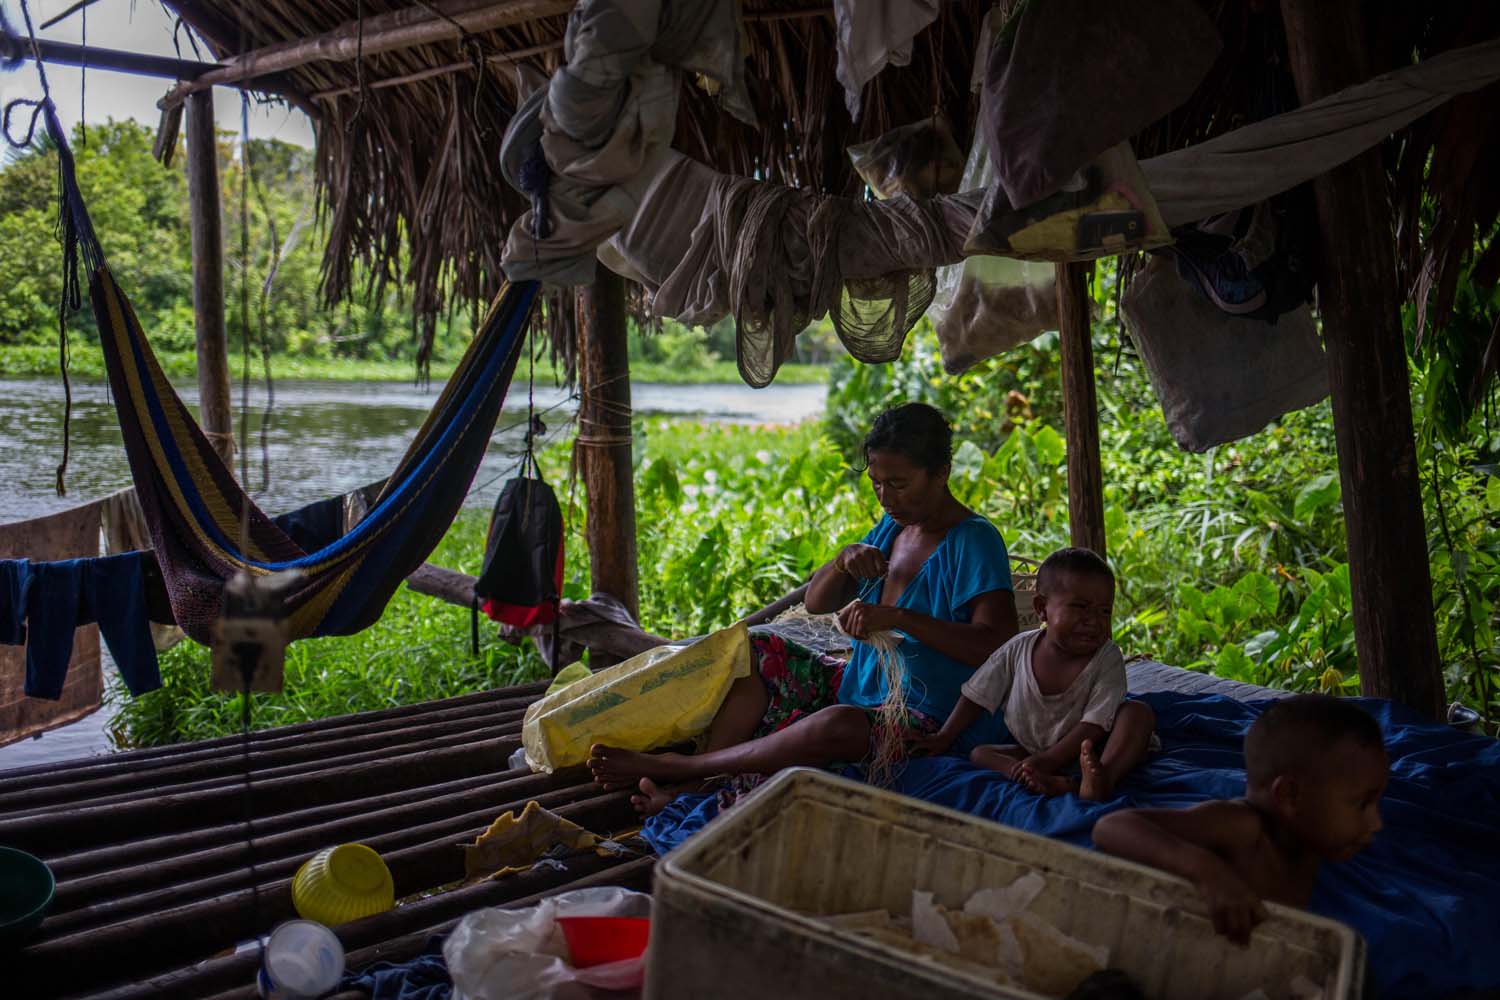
[932,571]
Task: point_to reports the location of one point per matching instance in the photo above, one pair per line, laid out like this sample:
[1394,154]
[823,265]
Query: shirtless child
[1315,769]
[1062,689]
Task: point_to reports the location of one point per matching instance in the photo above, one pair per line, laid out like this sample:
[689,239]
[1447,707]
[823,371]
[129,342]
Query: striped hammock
[205,527]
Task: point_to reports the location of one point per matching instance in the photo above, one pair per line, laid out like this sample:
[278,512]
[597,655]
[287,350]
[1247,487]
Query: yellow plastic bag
[571,674]
[665,695]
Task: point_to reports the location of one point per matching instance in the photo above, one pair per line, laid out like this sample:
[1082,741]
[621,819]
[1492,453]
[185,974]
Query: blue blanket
[1425,895]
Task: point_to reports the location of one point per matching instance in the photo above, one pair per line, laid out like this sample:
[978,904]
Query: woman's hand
[860,620]
[863,562]
[935,745]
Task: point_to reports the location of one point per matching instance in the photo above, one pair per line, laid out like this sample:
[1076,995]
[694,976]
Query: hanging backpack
[520,583]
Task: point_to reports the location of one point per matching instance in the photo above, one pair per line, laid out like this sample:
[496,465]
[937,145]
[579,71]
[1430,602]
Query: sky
[96,95]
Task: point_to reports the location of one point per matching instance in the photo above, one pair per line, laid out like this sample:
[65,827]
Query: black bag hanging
[520,583]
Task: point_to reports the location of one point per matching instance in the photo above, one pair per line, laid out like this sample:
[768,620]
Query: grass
[729,518]
[87,361]
[418,651]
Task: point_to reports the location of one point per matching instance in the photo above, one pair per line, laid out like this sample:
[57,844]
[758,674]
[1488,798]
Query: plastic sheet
[985,305]
[496,954]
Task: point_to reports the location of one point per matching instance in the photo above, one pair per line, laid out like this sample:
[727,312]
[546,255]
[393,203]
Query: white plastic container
[732,908]
[302,960]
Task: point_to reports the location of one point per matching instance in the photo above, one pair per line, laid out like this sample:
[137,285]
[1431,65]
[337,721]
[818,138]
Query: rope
[593,441]
[68,226]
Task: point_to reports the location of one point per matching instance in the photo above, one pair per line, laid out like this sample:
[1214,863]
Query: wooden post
[208,275]
[1080,407]
[1358,295]
[604,437]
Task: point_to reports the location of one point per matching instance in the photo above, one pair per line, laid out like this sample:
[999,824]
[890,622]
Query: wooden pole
[208,275]
[604,437]
[418,24]
[1080,407]
[1368,380]
[69,54]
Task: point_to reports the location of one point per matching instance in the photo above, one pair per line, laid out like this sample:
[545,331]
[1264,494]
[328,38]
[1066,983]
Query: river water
[322,438]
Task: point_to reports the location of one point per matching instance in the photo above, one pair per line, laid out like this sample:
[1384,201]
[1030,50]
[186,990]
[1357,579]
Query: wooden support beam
[603,443]
[208,276]
[1080,407]
[419,24]
[427,74]
[1369,382]
[69,54]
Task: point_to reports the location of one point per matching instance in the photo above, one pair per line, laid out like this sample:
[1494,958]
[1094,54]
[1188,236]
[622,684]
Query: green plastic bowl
[26,890]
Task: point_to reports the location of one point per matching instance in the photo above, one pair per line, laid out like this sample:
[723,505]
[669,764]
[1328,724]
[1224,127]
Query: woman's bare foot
[653,798]
[1095,784]
[1040,783]
[615,768]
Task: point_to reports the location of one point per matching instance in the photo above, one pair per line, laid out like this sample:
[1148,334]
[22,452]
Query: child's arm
[962,717]
[1192,843]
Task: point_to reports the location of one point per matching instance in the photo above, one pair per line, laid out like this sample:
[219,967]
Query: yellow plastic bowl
[340,884]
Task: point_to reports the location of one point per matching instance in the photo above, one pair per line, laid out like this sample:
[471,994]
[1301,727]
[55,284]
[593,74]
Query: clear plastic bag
[496,954]
[988,305]
[920,160]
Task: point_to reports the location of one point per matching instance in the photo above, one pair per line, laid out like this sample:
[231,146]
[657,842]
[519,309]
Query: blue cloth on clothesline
[1425,894]
[58,597]
[14,575]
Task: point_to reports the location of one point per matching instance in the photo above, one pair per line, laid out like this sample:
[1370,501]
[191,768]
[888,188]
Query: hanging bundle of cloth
[204,527]
[597,138]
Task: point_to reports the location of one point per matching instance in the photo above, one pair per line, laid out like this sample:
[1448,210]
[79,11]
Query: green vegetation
[418,651]
[87,361]
[140,212]
[1233,561]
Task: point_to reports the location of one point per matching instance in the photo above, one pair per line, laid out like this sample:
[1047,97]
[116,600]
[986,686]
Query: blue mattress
[1425,895]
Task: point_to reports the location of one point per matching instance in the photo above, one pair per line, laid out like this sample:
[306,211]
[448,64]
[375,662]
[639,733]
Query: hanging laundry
[1219,377]
[125,530]
[1066,80]
[874,34]
[14,575]
[68,534]
[61,596]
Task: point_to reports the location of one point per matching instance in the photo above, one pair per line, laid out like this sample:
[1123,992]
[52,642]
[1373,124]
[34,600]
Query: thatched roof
[408,137]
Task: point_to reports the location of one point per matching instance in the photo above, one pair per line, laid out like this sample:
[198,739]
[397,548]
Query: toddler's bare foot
[1041,783]
[652,798]
[1095,784]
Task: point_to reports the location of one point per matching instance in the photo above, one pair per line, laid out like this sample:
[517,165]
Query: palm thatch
[408,137]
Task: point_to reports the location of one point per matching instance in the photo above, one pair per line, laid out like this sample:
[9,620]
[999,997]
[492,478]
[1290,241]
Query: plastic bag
[665,695]
[1108,210]
[920,160]
[496,954]
[987,305]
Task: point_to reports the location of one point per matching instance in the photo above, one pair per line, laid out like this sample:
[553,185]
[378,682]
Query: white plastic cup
[302,960]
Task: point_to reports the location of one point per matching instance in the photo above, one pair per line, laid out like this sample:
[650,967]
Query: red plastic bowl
[600,940]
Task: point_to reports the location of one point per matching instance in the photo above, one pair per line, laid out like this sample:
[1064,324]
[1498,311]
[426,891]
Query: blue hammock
[203,525]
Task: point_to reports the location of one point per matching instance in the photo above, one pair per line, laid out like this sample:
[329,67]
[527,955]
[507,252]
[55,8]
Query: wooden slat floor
[154,870]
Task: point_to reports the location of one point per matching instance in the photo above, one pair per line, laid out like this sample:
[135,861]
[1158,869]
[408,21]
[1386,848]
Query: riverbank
[87,361]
